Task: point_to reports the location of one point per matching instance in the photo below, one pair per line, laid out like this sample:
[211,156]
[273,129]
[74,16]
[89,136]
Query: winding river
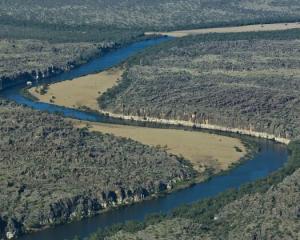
[270,158]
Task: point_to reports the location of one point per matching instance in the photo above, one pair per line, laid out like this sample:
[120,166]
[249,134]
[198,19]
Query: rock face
[10,228]
[6,82]
[58,173]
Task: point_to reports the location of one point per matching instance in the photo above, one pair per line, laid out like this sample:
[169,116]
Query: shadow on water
[271,157]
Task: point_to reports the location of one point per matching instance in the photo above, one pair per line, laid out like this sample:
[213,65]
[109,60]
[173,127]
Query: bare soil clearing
[247,28]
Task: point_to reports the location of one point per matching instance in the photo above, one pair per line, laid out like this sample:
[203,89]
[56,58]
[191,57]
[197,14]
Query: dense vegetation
[59,33]
[29,51]
[249,81]
[265,209]
[155,14]
[52,172]
[114,23]
[30,47]
[27,59]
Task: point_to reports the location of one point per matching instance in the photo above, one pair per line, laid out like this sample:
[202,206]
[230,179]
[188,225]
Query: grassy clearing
[247,28]
[79,92]
[203,150]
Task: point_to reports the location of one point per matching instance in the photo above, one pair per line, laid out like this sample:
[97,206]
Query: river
[270,158]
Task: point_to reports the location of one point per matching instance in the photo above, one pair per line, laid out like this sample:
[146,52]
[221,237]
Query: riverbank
[201,125]
[271,157]
[204,151]
[278,192]
[65,94]
[240,29]
[79,92]
[177,198]
[56,59]
[52,60]
[85,172]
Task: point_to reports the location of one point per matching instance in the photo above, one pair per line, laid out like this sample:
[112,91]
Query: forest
[116,23]
[151,15]
[246,81]
[265,209]
[52,172]
[24,60]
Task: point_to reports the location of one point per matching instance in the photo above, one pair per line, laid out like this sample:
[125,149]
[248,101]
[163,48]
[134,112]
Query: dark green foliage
[45,181]
[60,33]
[25,60]
[239,80]
[202,214]
[149,15]
[52,173]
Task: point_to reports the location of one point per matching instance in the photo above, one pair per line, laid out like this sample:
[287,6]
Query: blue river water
[270,158]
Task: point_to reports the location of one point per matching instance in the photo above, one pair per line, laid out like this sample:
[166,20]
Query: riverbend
[271,157]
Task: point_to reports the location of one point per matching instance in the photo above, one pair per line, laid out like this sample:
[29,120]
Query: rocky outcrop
[10,228]
[82,206]
[248,132]
[6,82]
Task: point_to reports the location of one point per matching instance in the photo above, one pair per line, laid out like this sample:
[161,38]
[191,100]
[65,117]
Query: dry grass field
[203,150]
[248,28]
[79,92]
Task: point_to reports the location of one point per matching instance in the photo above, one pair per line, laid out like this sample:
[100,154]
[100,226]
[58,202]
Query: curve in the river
[271,157]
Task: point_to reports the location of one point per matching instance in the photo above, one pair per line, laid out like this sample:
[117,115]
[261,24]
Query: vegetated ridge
[151,15]
[29,204]
[246,81]
[52,173]
[266,209]
[33,60]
